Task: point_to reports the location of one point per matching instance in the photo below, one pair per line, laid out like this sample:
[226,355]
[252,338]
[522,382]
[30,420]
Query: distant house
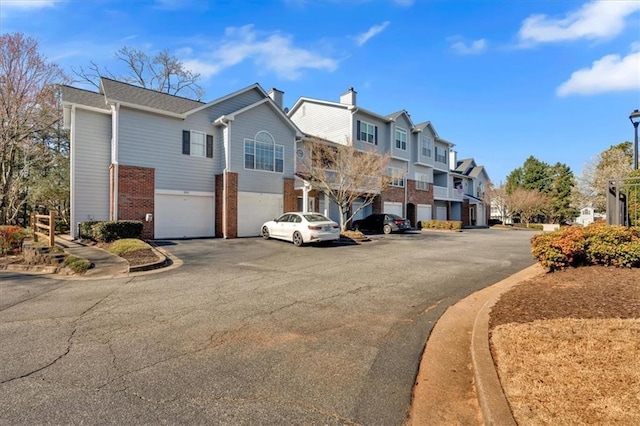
[183,167]
[426,184]
[588,215]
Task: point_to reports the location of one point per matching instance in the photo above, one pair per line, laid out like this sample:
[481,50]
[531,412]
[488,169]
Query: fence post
[52,229]
[34,228]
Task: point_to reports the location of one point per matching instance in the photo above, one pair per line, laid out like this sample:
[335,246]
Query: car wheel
[386,229]
[265,232]
[297,239]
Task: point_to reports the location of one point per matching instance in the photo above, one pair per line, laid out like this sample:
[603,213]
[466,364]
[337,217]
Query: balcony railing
[444,193]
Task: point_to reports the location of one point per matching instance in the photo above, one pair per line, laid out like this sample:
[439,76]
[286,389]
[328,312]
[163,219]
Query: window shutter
[375,137]
[209,146]
[357,129]
[186,142]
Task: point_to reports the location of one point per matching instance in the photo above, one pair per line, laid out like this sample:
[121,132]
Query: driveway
[247,331]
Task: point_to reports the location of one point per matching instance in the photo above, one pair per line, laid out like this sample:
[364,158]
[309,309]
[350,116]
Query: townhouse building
[427,181]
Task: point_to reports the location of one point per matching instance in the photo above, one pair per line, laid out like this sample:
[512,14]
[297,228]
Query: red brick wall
[419,196]
[219,188]
[230,225]
[290,199]
[136,192]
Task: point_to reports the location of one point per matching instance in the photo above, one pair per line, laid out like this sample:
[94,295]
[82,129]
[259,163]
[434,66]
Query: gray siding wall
[231,105]
[383,134]
[325,121]
[92,157]
[246,126]
[401,123]
[150,140]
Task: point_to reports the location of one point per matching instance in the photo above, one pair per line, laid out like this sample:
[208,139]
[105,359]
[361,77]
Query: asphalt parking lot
[246,331]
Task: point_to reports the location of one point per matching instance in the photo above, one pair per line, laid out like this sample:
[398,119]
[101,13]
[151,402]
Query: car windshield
[314,217]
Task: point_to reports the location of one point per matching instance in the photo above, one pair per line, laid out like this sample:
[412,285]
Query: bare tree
[612,163]
[528,203]
[29,107]
[345,174]
[163,73]
[500,200]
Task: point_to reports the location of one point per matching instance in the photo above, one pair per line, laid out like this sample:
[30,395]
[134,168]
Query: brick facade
[219,189]
[136,195]
[230,206]
[290,199]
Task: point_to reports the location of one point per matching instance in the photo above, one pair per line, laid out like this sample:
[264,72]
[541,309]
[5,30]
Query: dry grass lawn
[567,347]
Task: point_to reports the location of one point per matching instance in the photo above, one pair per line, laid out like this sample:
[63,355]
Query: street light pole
[635,120]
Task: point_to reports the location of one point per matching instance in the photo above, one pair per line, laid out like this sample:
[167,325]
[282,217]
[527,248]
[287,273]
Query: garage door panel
[424,212]
[392,208]
[256,208]
[183,216]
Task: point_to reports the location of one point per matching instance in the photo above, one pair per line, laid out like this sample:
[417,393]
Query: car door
[295,223]
[280,226]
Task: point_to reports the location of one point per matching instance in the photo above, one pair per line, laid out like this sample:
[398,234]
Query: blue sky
[501,79]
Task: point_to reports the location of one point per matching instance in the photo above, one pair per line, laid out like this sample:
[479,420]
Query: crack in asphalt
[69,339]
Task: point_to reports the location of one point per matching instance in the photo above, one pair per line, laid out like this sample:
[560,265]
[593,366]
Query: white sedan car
[301,228]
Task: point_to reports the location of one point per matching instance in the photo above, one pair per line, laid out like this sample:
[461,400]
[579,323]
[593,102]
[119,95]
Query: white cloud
[274,52]
[28,4]
[476,47]
[593,21]
[611,73]
[361,39]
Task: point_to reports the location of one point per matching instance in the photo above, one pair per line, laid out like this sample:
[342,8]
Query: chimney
[453,159]
[349,98]
[277,96]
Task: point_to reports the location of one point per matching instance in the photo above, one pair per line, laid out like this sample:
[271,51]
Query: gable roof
[464,165]
[426,124]
[395,115]
[74,95]
[269,102]
[117,91]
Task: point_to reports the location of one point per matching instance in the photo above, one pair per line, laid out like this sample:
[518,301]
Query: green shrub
[11,238]
[450,225]
[115,230]
[85,229]
[597,244]
[77,264]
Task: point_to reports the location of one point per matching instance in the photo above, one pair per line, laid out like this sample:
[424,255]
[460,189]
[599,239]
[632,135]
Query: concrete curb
[160,263]
[457,382]
[32,269]
[493,402]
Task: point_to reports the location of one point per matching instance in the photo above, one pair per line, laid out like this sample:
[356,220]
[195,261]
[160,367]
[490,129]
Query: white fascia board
[147,109]
[275,108]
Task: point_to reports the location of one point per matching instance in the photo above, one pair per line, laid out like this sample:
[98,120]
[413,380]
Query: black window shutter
[357,129]
[209,146]
[375,137]
[186,142]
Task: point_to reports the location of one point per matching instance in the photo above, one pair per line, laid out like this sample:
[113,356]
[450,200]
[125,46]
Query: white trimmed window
[396,175]
[422,181]
[262,153]
[197,144]
[367,132]
[401,139]
[441,155]
[425,146]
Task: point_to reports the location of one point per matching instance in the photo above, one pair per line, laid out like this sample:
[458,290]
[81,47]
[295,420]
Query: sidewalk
[106,265]
[457,382]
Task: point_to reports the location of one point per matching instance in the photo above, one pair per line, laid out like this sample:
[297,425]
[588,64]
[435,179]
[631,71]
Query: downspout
[115,118]
[72,173]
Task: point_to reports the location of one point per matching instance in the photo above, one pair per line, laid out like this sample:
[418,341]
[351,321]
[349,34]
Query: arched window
[262,153]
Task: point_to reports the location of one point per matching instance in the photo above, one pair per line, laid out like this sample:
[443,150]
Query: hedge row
[596,244]
[110,230]
[451,225]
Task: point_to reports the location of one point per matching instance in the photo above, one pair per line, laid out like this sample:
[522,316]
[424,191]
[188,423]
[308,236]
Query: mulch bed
[140,257]
[585,292]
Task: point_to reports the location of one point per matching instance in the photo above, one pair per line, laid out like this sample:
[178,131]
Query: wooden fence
[46,223]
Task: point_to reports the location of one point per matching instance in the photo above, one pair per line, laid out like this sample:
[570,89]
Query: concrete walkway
[106,265]
[457,382]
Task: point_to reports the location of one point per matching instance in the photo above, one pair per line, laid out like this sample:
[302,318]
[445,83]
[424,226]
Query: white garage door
[424,212]
[254,209]
[392,208]
[441,213]
[184,216]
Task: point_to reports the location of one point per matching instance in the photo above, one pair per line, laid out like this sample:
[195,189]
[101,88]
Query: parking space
[246,331]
